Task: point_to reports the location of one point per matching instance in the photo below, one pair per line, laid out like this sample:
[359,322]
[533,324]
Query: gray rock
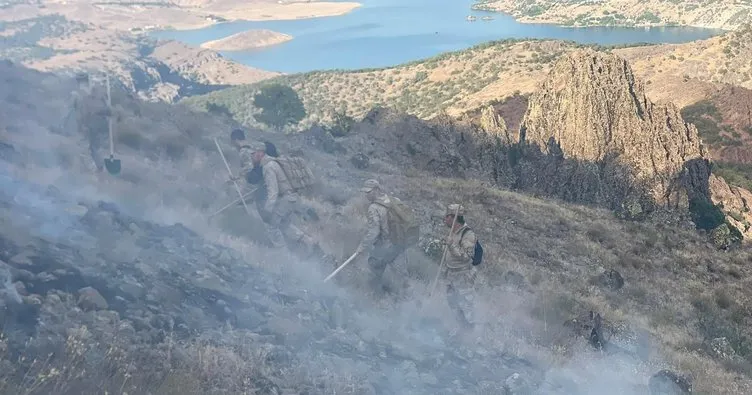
[611,279]
[20,288]
[667,382]
[515,384]
[722,348]
[46,277]
[33,299]
[90,299]
[360,161]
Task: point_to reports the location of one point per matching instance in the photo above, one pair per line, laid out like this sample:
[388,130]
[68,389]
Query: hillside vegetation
[141,294]
[721,60]
[461,81]
[721,14]
[453,82]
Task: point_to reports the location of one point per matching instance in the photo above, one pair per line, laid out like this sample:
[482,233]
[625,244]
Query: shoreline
[479,7]
[284,12]
[247,40]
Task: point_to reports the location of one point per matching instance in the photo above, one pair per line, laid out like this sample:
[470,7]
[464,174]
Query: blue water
[385,33]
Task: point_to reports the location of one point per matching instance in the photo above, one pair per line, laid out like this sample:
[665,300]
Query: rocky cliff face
[593,123]
[596,111]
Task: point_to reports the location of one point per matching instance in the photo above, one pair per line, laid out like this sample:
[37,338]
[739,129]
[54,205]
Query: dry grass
[559,248]
[229,361]
[687,73]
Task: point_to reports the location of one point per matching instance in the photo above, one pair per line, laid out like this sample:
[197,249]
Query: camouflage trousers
[380,257]
[460,291]
[281,223]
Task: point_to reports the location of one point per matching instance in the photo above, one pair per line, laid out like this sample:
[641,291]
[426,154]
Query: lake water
[384,33]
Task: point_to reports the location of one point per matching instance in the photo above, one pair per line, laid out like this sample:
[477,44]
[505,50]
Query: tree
[280,105]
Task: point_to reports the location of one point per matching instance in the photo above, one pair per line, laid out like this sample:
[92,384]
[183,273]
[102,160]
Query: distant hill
[721,14]
[465,80]
[453,82]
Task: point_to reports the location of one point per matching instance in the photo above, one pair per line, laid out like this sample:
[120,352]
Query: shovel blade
[112,165]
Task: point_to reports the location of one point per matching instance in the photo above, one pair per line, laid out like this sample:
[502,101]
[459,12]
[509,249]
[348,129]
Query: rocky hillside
[123,285]
[673,69]
[592,108]
[724,121]
[157,70]
[719,14]
[453,82]
[466,81]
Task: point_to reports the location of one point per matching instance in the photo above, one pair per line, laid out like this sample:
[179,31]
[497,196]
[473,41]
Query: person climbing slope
[391,228]
[463,254]
[278,204]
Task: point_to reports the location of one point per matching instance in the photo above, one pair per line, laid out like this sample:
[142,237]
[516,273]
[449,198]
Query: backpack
[478,253]
[299,175]
[271,149]
[404,230]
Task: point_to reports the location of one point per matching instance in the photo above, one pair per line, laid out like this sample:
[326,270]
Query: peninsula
[247,40]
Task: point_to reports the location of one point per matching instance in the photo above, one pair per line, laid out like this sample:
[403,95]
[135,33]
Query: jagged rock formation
[735,202]
[593,109]
[493,125]
[598,139]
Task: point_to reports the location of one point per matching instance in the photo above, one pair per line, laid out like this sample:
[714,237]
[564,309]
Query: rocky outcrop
[493,125]
[735,203]
[590,134]
[594,110]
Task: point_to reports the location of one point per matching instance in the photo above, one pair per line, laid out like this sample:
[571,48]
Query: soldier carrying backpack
[392,228]
[464,252]
[282,178]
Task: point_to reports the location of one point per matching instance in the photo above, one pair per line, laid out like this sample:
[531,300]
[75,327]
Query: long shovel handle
[237,188]
[443,256]
[233,203]
[342,266]
[109,118]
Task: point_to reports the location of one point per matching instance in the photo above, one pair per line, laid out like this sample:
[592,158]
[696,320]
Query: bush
[280,105]
[705,214]
[343,123]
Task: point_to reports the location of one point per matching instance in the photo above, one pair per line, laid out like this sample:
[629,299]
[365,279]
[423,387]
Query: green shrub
[705,214]
[280,105]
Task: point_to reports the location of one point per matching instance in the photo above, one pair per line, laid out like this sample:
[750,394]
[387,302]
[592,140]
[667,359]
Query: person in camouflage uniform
[278,205]
[376,243]
[460,273]
[91,113]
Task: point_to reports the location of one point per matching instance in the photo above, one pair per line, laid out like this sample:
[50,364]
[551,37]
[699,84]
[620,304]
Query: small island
[247,40]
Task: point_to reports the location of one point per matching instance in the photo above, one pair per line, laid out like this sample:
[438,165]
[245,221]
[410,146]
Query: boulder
[610,279]
[90,299]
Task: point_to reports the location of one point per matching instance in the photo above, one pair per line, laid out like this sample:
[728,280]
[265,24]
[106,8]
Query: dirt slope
[203,307]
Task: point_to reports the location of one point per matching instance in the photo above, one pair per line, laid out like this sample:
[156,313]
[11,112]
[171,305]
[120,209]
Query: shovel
[112,164]
[342,266]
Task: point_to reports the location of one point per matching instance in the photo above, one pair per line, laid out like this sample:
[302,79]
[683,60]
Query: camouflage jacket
[377,226]
[275,181]
[246,159]
[461,249]
[89,104]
